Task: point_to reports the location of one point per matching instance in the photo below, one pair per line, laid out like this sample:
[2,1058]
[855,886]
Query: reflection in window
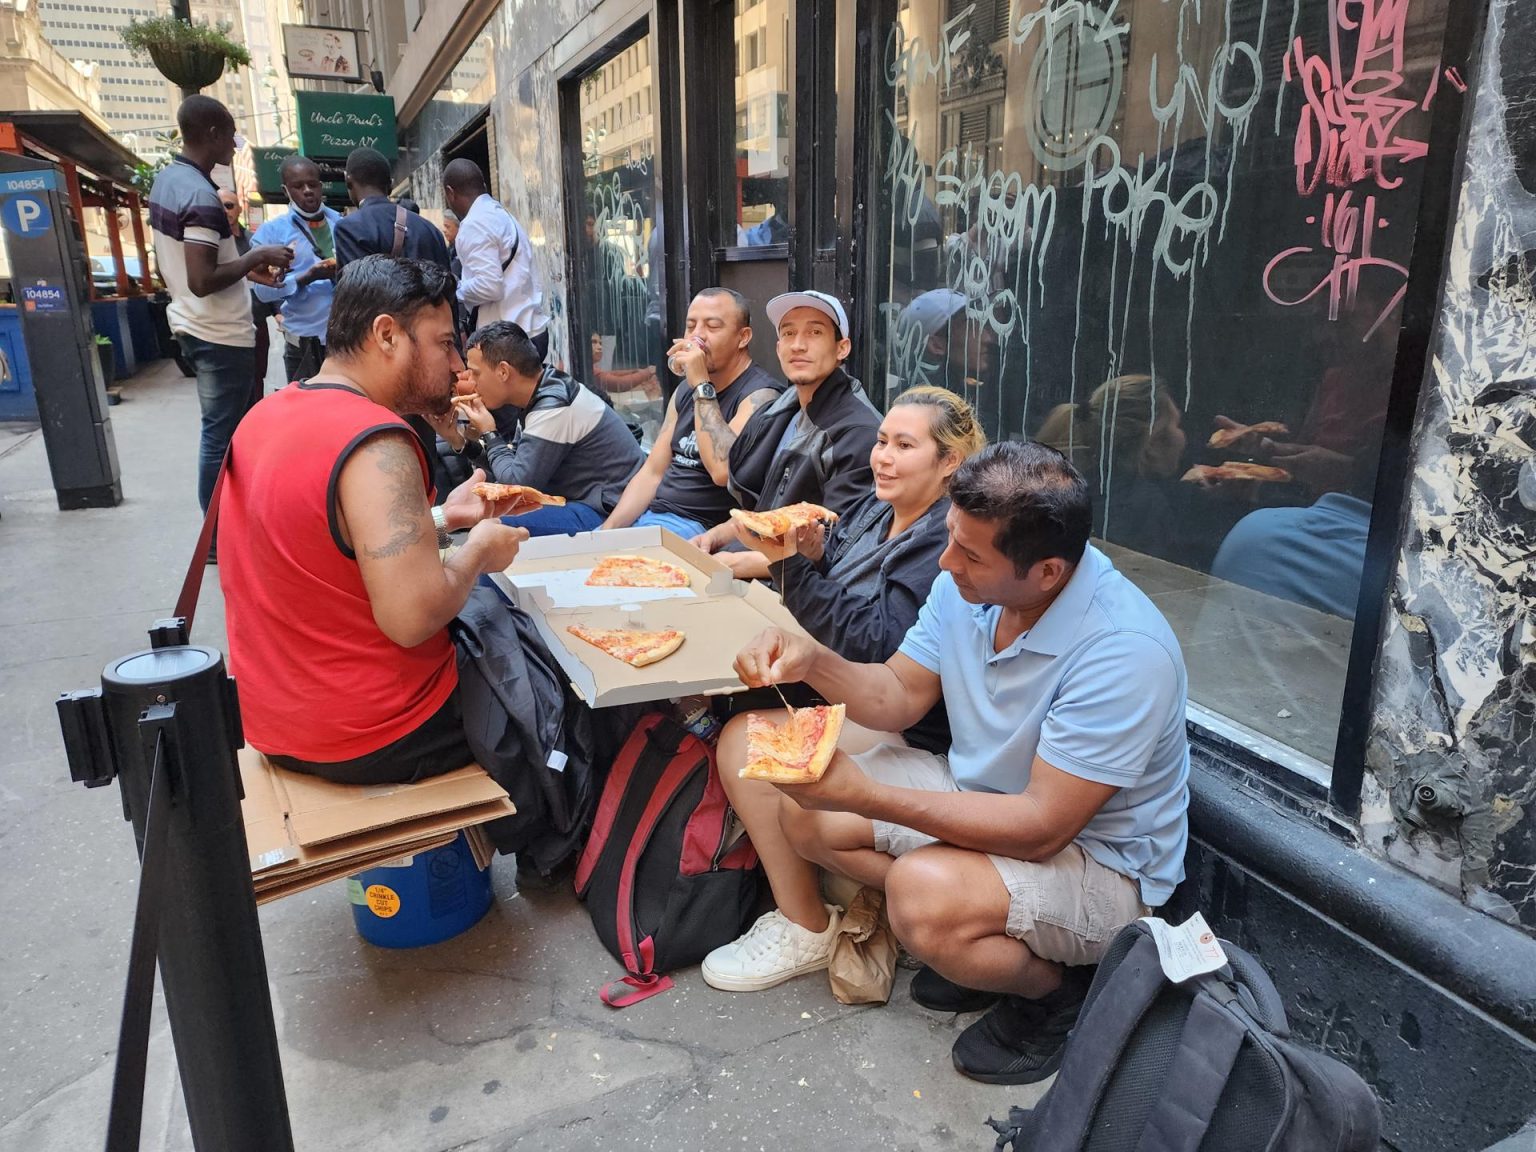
[619,245]
[762,124]
[1133,230]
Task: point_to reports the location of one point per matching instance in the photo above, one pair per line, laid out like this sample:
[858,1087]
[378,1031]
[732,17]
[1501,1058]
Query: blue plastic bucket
[426,899]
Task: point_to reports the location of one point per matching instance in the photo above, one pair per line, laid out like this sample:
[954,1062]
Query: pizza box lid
[717,614]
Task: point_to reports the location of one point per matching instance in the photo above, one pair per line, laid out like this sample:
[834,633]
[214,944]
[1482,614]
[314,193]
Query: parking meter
[51,283]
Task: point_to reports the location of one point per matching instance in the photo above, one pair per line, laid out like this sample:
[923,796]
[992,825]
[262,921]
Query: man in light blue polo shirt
[305,293]
[1059,815]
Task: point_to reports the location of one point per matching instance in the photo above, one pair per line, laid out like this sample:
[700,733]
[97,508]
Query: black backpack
[663,884]
[1202,1066]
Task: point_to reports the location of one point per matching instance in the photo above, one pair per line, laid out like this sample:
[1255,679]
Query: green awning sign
[331,124]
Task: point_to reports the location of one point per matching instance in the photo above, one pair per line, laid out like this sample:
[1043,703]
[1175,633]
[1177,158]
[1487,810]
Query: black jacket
[828,462]
[370,231]
[869,629]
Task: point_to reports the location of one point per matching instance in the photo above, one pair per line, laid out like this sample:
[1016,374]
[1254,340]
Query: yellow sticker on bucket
[383,902]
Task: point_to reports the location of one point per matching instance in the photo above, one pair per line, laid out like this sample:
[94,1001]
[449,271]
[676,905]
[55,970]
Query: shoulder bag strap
[517,240]
[400,231]
[1197,1075]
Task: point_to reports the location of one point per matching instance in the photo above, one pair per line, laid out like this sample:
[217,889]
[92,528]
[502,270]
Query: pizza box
[301,831]
[717,614]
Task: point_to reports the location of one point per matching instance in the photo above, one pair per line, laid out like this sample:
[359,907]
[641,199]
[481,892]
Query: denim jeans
[556,520]
[223,392]
[671,521]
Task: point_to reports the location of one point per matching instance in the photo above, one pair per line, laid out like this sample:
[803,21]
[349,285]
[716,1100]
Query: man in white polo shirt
[210,310]
[1059,815]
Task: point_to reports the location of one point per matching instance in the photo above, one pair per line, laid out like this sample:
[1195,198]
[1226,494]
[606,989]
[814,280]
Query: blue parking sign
[26,215]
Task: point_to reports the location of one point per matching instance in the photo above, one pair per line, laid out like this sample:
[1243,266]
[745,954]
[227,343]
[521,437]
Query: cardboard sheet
[302,831]
[718,617]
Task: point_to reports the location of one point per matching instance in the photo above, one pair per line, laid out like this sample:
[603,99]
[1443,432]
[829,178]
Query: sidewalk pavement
[494,1040]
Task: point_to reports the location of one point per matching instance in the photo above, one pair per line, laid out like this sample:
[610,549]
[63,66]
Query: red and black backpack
[663,883]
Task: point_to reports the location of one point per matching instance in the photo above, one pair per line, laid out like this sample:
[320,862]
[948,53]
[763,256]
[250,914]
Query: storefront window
[762,136]
[1132,228]
[618,246]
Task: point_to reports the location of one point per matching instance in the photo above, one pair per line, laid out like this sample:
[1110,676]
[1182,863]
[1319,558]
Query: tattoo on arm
[407,498]
[713,425]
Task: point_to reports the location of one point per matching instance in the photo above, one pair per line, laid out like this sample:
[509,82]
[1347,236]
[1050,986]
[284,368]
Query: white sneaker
[773,950]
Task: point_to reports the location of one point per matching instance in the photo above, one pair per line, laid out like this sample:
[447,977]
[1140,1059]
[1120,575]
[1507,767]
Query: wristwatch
[440,522]
[705,391]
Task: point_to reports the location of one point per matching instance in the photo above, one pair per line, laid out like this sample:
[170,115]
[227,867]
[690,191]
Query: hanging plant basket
[192,68]
[191,56]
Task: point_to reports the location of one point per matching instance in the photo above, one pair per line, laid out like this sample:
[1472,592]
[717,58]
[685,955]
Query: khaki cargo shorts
[1066,909]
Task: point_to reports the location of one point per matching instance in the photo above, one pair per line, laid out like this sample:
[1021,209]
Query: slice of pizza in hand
[777,523]
[796,751]
[632,646]
[637,572]
[1226,437]
[521,493]
[1236,470]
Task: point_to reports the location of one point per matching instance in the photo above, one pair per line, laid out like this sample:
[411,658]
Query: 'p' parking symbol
[26,216]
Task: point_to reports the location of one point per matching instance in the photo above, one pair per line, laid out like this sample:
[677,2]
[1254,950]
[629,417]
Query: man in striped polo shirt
[210,310]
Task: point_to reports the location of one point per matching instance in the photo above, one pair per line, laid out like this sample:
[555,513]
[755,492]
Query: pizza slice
[796,751]
[632,646]
[1236,470]
[637,572]
[500,493]
[776,523]
[1226,437]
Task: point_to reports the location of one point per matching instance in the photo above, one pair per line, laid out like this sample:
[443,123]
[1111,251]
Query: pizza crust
[775,771]
[774,523]
[497,493]
[660,652]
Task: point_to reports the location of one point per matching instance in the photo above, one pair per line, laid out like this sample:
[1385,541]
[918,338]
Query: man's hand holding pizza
[843,787]
[464,508]
[777,657]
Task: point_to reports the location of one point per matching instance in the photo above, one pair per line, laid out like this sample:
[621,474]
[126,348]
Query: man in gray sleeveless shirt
[681,486]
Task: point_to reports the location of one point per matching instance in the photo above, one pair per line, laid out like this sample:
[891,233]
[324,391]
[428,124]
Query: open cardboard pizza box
[302,831]
[717,614]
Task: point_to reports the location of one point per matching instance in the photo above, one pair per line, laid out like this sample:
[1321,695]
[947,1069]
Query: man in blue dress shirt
[304,295]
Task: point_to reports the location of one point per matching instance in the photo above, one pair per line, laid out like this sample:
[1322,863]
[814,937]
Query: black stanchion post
[172,711]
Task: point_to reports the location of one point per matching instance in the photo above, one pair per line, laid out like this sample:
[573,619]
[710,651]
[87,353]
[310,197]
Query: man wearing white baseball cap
[813,442]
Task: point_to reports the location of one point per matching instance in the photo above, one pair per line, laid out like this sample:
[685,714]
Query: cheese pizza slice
[776,523]
[637,572]
[632,646]
[1236,470]
[795,752]
[1226,437]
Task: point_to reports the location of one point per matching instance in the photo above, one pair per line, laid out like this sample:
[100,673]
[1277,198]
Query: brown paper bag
[864,954]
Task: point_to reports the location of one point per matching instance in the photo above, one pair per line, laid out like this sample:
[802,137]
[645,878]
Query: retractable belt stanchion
[165,724]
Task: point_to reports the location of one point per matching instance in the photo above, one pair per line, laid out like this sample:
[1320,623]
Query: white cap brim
[786,302]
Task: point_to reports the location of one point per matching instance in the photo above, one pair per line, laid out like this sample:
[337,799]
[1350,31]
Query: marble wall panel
[1450,788]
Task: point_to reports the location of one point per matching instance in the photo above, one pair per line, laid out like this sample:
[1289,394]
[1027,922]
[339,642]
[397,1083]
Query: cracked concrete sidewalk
[493,1041]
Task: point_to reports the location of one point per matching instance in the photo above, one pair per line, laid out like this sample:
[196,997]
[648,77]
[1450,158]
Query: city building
[1134,229]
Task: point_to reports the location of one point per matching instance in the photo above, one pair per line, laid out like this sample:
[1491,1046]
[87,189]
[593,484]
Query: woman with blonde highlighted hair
[858,588]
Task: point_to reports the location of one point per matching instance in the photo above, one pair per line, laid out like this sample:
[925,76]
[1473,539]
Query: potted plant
[191,56]
[108,358]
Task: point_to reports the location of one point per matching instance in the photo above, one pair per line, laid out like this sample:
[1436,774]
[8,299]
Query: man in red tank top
[337,595]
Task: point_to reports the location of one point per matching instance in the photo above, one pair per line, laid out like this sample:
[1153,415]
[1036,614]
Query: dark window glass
[1130,229]
[761,213]
[618,242]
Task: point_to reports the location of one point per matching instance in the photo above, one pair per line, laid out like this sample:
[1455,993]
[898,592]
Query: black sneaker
[1020,1041]
[933,991]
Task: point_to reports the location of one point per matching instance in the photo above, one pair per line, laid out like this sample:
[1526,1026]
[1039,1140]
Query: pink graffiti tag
[1347,232]
[1351,119]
